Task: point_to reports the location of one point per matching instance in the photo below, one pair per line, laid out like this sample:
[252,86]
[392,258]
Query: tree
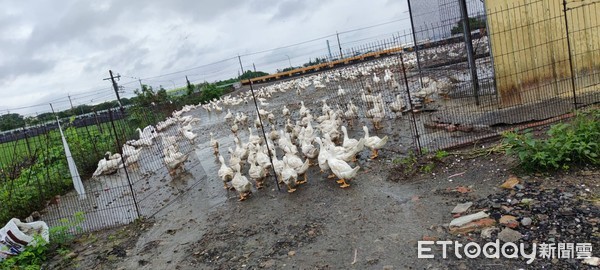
[190,89]
[316,62]
[45,117]
[11,121]
[210,92]
[249,74]
[474,23]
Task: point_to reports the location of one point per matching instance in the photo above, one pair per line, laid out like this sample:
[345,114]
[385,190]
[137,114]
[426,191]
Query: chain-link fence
[534,62]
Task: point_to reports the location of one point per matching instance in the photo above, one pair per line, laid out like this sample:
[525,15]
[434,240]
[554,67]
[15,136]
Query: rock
[457,222]
[267,264]
[526,221]
[388,267]
[461,208]
[510,182]
[487,232]
[430,238]
[519,187]
[71,255]
[568,195]
[509,221]
[509,235]
[526,201]
[593,261]
[506,219]
[473,226]
[291,253]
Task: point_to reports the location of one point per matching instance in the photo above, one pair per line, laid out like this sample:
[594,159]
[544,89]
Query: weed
[567,144]
[440,154]
[33,257]
[427,168]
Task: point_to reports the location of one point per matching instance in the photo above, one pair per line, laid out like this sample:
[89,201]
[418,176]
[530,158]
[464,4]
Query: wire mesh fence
[35,174]
[533,61]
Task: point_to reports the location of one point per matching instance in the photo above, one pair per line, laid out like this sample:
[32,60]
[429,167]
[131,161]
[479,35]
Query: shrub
[566,144]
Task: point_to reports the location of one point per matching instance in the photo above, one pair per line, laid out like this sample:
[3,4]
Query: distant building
[434,19]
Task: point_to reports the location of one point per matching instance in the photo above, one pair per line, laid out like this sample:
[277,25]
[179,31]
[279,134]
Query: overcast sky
[49,49]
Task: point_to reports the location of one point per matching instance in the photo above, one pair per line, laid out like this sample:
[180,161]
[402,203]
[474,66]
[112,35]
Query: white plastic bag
[16,235]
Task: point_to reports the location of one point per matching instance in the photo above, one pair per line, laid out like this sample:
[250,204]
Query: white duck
[340,91]
[351,113]
[348,142]
[225,173]
[189,134]
[303,110]
[374,142]
[174,160]
[108,165]
[376,114]
[308,149]
[322,157]
[234,160]
[256,172]
[255,139]
[340,152]
[214,143]
[342,170]
[241,185]
[234,128]
[130,154]
[398,105]
[288,175]
[375,78]
[301,171]
[273,134]
[228,116]
[285,111]
[262,158]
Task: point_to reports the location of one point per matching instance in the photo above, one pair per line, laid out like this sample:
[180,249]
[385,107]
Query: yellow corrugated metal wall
[529,46]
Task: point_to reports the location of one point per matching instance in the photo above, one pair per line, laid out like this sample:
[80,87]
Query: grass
[28,181]
[564,145]
[15,152]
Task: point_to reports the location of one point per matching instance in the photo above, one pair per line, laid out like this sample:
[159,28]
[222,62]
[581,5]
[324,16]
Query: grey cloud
[22,67]
[151,37]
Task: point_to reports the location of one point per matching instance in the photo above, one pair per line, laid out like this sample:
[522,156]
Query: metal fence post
[410,103]
[119,147]
[469,45]
[570,56]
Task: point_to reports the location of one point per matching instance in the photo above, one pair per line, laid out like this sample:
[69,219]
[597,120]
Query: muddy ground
[375,224]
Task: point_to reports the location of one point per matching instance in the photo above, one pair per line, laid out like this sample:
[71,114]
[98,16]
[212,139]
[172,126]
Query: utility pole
[241,67]
[339,44]
[189,85]
[254,66]
[69,96]
[141,86]
[469,45]
[116,88]
[329,50]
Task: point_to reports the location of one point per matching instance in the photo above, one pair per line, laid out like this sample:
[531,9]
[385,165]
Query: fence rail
[536,61]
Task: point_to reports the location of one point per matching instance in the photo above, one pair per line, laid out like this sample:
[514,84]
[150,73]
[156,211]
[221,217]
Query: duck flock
[172,156]
[295,141]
